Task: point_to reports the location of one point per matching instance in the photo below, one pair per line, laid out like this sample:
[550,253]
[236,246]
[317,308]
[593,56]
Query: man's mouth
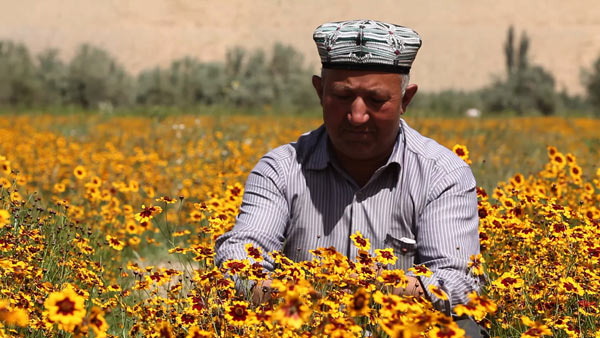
[357,132]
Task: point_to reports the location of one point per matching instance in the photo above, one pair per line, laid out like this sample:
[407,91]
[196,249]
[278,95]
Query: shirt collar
[320,157]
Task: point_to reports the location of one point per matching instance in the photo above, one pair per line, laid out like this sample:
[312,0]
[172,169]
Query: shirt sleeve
[447,236]
[263,216]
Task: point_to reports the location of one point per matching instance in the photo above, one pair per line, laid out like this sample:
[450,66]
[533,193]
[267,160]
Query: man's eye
[342,96]
[378,100]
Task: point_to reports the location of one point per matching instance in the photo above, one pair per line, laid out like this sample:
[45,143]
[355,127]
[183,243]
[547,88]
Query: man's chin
[358,153]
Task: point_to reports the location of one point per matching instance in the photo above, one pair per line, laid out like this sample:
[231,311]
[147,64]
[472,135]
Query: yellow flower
[133,241]
[166,199]
[97,322]
[421,270]
[4,166]
[66,308]
[508,280]
[385,256]
[59,187]
[15,196]
[13,316]
[80,172]
[358,303]
[451,331]
[4,218]
[360,242]
[462,152]
[114,242]
[476,264]
[470,309]
[196,216]
[486,303]
[164,330]
[575,172]
[147,213]
[558,160]
[569,285]
[393,278]
[535,329]
[438,292]
[254,252]
[235,266]
[517,180]
[293,312]
[196,332]
[238,313]
[478,307]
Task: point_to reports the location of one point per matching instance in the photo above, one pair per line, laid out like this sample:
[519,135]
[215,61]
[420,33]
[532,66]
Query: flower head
[360,242]
[65,308]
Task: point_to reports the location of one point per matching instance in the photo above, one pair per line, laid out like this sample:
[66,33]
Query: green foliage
[154,88]
[53,76]
[591,80]
[252,81]
[281,80]
[526,88]
[186,83]
[96,78]
[18,84]
[509,50]
[245,79]
[448,102]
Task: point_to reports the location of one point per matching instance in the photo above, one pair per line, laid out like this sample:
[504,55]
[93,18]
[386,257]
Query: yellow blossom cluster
[108,225]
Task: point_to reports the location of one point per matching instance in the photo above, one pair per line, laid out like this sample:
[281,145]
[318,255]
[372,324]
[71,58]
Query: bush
[591,80]
[96,78]
[53,76]
[526,88]
[447,102]
[245,79]
[18,84]
[531,89]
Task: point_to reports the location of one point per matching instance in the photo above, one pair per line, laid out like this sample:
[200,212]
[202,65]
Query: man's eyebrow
[341,86]
[373,91]
[379,91]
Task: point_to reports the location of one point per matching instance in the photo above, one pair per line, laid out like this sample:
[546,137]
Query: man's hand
[261,292]
[413,288]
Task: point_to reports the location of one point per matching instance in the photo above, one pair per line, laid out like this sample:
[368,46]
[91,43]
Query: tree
[509,51]
[154,88]
[526,87]
[53,77]
[96,78]
[591,81]
[18,82]
[280,78]
[187,82]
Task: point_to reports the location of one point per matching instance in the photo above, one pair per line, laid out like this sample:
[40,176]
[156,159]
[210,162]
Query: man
[364,170]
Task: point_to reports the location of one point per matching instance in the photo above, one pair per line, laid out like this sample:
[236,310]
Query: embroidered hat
[368,45]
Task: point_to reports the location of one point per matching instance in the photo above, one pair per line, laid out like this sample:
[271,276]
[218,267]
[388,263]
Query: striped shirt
[298,198]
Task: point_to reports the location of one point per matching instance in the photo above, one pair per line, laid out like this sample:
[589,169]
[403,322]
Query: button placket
[359,196]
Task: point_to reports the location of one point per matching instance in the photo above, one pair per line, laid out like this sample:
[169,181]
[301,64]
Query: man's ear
[409,93]
[318,84]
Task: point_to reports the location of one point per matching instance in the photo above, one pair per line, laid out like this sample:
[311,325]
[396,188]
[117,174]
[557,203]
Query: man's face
[361,111]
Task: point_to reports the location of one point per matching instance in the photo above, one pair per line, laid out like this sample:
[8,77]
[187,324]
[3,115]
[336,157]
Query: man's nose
[359,113]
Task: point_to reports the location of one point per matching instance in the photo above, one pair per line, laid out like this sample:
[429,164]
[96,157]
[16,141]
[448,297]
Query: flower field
[107,229]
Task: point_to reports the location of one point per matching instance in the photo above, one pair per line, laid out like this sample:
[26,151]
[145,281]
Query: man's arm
[448,234]
[263,216]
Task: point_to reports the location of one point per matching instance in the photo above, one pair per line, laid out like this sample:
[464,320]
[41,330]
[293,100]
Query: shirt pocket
[404,248]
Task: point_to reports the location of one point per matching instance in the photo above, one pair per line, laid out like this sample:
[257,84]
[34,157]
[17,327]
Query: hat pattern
[367,44]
